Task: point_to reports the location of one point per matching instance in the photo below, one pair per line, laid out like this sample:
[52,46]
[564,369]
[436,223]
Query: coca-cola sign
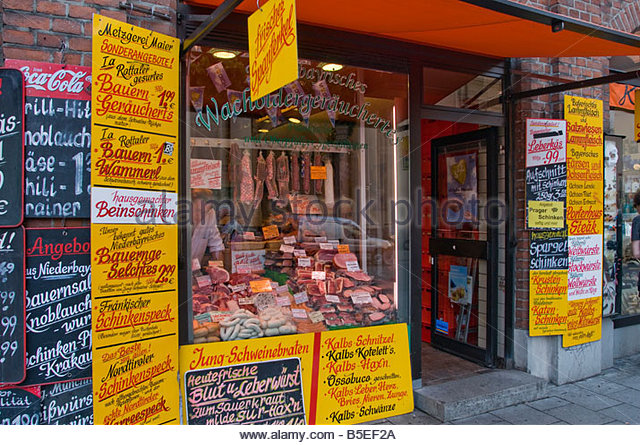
[54,80]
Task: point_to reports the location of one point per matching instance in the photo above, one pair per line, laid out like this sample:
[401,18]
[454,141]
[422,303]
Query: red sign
[52,80]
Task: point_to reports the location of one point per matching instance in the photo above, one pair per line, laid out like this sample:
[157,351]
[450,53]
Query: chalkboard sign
[58,304]
[11,147]
[259,393]
[547,182]
[69,403]
[57,139]
[12,310]
[19,406]
[548,250]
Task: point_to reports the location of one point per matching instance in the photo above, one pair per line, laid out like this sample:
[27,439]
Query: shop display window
[291,213]
[455,89]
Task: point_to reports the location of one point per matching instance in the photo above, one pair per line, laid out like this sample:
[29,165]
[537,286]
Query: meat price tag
[299,253]
[204,281]
[318,172]
[353,266]
[195,264]
[326,246]
[282,289]
[283,300]
[260,286]
[242,269]
[289,239]
[238,287]
[320,239]
[301,297]
[245,301]
[304,262]
[316,317]
[270,232]
[318,275]
[299,313]
[332,298]
[343,248]
[286,248]
[249,236]
[218,316]
[216,264]
[361,298]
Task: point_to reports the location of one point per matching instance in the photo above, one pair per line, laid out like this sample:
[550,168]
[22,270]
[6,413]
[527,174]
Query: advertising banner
[123,206]
[546,142]
[548,302]
[585,200]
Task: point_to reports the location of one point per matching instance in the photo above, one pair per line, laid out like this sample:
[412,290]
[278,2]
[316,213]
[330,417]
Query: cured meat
[272,189]
[306,173]
[282,174]
[221,288]
[261,176]
[359,276]
[329,199]
[314,290]
[218,274]
[376,316]
[325,255]
[347,283]
[344,173]
[295,172]
[340,260]
[334,323]
[339,285]
[234,175]
[345,307]
[246,182]
[331,287]
[317,161]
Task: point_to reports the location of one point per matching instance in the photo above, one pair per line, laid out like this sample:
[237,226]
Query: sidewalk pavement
[611,398]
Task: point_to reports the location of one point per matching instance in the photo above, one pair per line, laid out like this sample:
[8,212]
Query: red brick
[71,59]
[80,44]
[66,26]
[50,40]
[26,21]
[81,12]
[170,3]
[51,8]
[110,3]
[117,15]
[22,37]
[26,54]
[22,5]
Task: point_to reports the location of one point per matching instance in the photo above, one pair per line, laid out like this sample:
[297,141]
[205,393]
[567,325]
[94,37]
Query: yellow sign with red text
[273,47]
[547,302]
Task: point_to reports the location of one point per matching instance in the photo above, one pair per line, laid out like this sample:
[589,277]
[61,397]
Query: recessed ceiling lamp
[224,54]
[294,120]
[332,67]
[263,130]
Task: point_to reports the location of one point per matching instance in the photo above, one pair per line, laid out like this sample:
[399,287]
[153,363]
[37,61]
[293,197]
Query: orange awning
[498,28]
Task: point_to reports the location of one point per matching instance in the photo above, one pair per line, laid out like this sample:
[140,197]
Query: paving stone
[482,419]
[631,381]
[584,397]
[547,404]
[625,413]
[600,385]
[579,415]
[560,423]
[524,415]
[628,395]
[417,417]
[616,422]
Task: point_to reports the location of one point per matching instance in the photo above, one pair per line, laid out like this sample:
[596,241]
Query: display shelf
[282,145]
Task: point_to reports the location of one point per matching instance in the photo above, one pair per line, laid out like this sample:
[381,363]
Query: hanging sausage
[272,189]
[246,181]
[234,175]
[329,199]
[295,172]
[317,161]
[282,174]
[306,173]
[261,177]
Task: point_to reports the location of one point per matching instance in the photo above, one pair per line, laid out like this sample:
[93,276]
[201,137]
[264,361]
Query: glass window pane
[461,90]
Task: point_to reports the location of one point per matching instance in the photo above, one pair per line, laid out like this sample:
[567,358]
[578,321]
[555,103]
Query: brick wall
[622,15]
[59,31]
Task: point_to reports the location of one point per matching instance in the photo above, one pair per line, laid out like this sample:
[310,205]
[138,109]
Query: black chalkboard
[548,250]
[259,393]
[19,407]
[547,182]
[69,403]
[58,303]
[11,147]
[12,308]
[57,146]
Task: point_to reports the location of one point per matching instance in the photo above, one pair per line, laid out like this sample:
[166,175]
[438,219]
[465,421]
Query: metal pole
[216,17]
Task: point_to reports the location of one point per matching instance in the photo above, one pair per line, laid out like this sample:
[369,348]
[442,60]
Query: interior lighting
[332,67]
[224,54]
[294,120]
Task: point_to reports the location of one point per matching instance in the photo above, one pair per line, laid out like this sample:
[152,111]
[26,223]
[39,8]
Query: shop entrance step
[478,394]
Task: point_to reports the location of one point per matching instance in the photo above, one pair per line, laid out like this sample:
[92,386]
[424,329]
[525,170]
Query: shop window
[461,90]
[291,198]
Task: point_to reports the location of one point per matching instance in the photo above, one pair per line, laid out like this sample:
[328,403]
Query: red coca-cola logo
[54,80]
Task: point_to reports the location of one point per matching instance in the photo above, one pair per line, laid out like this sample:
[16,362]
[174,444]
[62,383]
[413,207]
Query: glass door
[463,244]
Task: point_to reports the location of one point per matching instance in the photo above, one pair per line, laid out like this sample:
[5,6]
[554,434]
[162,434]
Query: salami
[282,174]
[246,182]
[317,161]
[340,260]
[295,173]
[272,190]
[329,199]
[234,162]
[306,173]
[261,176]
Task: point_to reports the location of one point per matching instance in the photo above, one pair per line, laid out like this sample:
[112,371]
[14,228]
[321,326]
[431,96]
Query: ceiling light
[263,130]
[294,120]
[332,67]
[224,54]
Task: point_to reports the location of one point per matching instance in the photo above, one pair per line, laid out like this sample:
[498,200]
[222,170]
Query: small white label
[299,313]
[249,236]
[203,281]
[195,264]
[318,275]
[283,301]
[299,253]
[304,262]
[361,298]
[332,298]
[320,239]
[238,287]
[244,269]
[326,246]
[286,249]
[353,266]
[316,317]
[245,301]
[301,297]
[282,289]
[289,239]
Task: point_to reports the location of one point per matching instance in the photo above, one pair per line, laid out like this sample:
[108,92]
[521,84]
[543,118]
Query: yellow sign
[131,259]
[318,172]
[137,383]
[546,214]
[258,286]
[584,324]
[273,47]
[365,374]
[547,302]
[343,248]
[270,232]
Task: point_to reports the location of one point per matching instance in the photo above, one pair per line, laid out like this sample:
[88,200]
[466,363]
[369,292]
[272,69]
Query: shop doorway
[463,243]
